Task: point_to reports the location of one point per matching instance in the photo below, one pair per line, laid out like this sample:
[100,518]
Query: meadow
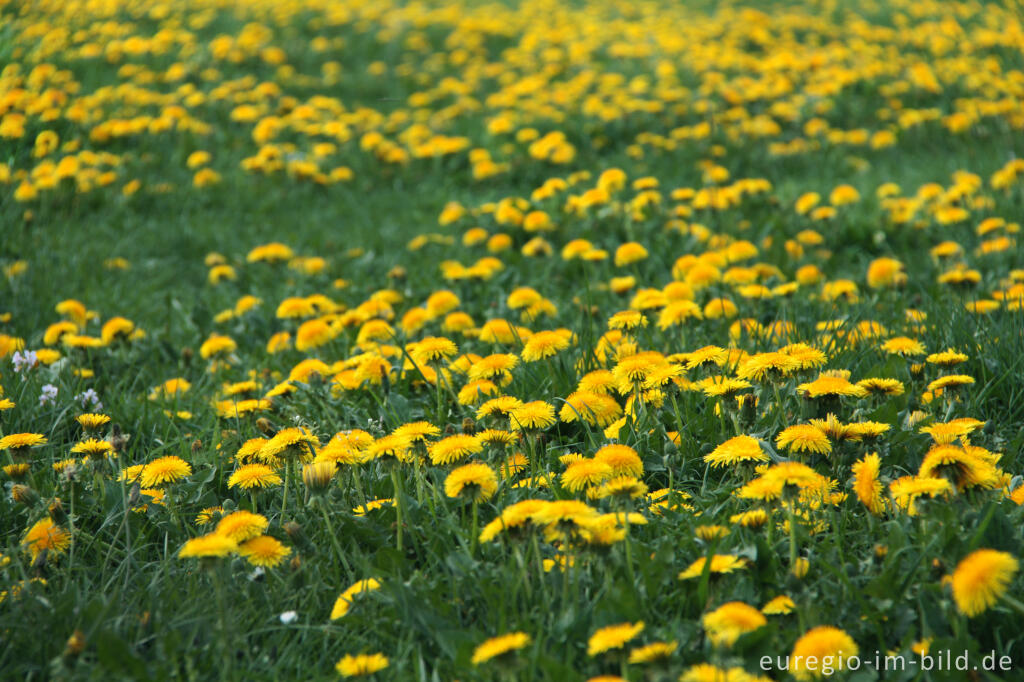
[596,340]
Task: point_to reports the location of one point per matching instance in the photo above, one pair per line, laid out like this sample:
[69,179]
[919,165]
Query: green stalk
[398,503]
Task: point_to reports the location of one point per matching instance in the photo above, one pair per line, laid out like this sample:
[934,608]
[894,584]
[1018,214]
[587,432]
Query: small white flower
[26,360]
[289,617]
[90,396]
[47,394]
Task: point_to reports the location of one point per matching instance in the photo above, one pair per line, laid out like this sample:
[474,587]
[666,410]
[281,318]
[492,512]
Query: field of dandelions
[524,341]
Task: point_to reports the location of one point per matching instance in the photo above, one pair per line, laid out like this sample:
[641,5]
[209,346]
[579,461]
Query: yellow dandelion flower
[500,646]
[164,470]
[613,637]
[981,578]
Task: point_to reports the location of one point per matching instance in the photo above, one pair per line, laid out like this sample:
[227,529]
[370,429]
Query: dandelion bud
[317,476]
[299,539]
[39,563]
[57,512]
[75,644]
[22,494]
[265,427]
[800,568]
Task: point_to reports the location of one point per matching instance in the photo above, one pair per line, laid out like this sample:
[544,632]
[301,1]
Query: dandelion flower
[981,579]
[345,600]
[729,621]
[804,438]
[242,525]
[613,637]
[19,443]
[499,646]
[363,664]
[164,470]
[720,563]
[45,535]
[264,550]
[655,651]
[210,545]
[866,484]
[533,415]
[818,644]
[478,481]
[736,450]
[454,448]
[253,477]
[586,472]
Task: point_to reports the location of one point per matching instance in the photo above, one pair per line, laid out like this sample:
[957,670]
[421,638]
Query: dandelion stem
[792,536]
[287,482]
[398,504]
[476,522]
[222,624]
[334,537]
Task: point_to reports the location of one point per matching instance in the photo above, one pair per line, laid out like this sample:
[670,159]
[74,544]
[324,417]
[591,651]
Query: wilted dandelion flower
[981,578]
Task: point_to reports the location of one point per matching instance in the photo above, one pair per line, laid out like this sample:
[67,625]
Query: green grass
[145,613]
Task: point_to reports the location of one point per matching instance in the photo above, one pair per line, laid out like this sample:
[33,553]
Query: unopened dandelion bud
[75,644]
[317,476]
[298,538]
[25,495]
[57,512]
